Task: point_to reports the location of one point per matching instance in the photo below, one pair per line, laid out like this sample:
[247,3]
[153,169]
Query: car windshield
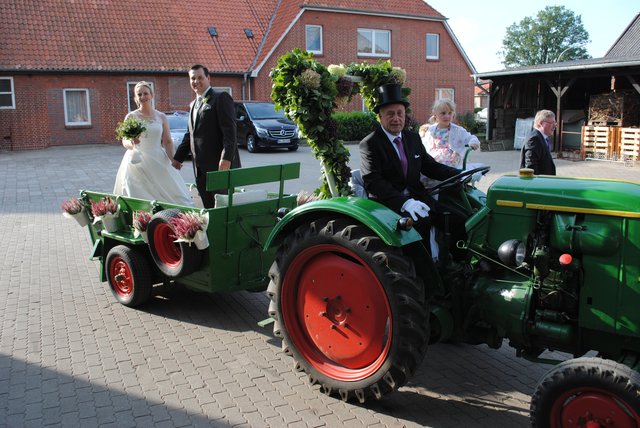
[177,121]
[264,111]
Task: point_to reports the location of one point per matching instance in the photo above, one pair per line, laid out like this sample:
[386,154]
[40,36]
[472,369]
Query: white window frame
[306,36]
[226,89]
[11,92]
[130,101]
[437,54]
[67,121]
[374,33]
[440,94]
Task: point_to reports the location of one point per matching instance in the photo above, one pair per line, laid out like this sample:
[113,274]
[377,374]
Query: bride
[145,171]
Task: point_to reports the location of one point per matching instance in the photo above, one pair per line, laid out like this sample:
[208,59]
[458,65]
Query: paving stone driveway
[70,356]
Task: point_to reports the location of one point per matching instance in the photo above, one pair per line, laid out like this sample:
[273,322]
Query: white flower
[336,70]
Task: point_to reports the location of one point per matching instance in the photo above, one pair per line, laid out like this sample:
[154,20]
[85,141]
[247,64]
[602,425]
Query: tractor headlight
[512,252]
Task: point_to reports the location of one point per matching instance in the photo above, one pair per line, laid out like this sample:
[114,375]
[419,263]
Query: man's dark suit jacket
[382,172]
[536,155]
[213,137]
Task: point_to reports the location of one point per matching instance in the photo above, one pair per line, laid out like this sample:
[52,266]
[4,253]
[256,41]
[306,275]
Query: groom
[211,139]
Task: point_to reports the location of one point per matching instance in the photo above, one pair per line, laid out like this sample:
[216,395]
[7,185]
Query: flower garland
[309,92]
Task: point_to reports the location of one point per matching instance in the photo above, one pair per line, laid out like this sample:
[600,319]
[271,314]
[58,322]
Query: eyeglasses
[553,122]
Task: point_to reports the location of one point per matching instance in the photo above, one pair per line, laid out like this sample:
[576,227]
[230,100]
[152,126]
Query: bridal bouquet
[130,128]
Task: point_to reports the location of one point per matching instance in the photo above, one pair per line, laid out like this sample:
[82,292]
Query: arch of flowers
[309,92]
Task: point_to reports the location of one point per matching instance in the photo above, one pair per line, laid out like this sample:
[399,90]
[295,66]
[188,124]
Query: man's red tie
[403,156]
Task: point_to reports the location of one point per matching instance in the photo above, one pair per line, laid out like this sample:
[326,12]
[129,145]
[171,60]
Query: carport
[574,90]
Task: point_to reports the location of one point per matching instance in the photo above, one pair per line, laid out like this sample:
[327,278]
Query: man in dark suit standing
[392,160]
[536,152]
[211,139]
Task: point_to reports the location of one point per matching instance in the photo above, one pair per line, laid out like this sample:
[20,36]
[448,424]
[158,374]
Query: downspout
[255,59]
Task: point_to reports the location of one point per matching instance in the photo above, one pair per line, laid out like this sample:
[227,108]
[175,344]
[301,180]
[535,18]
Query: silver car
[178,126]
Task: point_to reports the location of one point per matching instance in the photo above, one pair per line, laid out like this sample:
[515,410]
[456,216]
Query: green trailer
[235,258]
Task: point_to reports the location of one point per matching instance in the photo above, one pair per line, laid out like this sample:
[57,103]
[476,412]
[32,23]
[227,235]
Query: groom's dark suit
[212,137]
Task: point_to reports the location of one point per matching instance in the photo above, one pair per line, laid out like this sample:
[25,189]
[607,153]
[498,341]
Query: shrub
[468,121]
[355,125]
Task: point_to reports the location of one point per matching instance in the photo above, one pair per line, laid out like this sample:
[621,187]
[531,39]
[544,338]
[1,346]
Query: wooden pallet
[605,122]
[598,142]
[629,144]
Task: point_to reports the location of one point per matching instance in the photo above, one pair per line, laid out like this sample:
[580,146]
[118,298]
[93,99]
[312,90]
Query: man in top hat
[392,160]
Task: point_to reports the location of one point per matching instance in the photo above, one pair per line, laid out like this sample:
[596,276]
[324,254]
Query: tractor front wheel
[587,392]
[349,309]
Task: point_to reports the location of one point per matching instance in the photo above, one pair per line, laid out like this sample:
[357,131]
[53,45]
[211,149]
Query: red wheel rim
[592,408]
[121,278]
[168,251]
[336,312]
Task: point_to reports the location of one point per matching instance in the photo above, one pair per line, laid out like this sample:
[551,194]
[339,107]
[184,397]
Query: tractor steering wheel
[461,178]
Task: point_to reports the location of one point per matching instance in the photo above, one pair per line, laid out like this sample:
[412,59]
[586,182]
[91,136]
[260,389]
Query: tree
[554,34]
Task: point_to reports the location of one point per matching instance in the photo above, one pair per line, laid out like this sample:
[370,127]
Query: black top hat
[391,93]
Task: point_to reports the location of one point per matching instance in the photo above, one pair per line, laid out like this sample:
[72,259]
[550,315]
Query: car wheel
[293,149]
[251,143]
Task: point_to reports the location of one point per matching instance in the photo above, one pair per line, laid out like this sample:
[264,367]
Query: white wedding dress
[146,172]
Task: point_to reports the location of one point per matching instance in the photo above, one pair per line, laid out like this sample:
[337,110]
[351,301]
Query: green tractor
[552,264]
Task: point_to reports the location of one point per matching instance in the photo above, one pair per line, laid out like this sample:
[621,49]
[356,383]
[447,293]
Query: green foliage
[376,75]
[468,121]
[308,92]
[355,125]
[556,33]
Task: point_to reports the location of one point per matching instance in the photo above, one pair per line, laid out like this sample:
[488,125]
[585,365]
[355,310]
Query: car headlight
[262,132]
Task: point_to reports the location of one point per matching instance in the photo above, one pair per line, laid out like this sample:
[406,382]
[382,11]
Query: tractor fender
[380,219]
[377,217]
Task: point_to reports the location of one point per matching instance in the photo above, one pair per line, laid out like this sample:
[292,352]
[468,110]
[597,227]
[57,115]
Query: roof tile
[156,35]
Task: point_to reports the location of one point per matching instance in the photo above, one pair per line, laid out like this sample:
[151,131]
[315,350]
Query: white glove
[476,177]
[416,209]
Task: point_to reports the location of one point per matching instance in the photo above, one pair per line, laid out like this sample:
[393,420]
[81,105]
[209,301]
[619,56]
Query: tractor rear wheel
[587,392]
[129,275]
[350,309]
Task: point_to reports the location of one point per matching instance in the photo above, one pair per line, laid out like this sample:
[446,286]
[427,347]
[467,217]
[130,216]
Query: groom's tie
[196,107]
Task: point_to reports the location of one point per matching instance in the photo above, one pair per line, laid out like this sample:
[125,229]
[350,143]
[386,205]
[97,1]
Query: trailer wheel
[587,392]
[129,275]
[349,309]
[174,259]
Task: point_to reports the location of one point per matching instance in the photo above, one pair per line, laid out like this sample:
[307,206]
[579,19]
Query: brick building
[67,69]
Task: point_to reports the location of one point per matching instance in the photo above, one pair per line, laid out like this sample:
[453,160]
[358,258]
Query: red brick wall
[408,50]
[38,120]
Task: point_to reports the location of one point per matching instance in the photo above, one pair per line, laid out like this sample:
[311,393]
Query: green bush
[468,121]
[355,125]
